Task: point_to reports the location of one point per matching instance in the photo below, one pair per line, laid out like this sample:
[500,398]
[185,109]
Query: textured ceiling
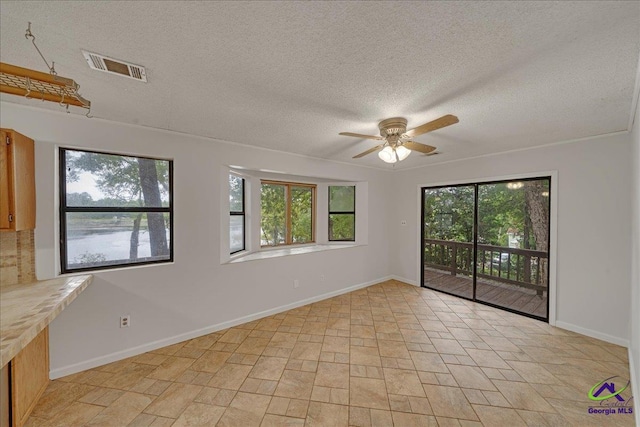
[291,75]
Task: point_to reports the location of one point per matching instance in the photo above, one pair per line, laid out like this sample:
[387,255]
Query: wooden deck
[512,297]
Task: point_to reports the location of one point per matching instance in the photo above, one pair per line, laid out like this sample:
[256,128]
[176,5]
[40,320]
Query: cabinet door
[29,377]
[18,188]
[5,184]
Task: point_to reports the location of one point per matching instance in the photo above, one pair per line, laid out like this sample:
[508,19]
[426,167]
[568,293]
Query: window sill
[280,252]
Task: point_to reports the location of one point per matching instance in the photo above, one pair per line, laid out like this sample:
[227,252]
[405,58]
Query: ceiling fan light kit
[397,140]
[392,155]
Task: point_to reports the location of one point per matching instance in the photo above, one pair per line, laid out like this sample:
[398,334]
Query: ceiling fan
[397,143]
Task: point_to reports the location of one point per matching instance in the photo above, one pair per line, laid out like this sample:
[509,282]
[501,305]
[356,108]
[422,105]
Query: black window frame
[240,213]
[352,213]
[476,185]
[64,209]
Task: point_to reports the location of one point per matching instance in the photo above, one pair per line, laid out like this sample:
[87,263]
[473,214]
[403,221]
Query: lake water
[112,245]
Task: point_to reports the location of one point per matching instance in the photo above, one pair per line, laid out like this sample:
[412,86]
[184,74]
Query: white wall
[195,292]
[634,318]
[593,217]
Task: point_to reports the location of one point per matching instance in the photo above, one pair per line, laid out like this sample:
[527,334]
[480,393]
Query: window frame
[64,209]
[330,212]
[242,213]
[288,219]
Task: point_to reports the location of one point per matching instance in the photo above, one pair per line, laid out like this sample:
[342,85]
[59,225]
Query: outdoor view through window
[236,214]
[114,210]
[489,242]
[342,213]
[287,213]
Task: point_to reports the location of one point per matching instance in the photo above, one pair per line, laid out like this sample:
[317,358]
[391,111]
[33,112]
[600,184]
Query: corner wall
[593,217]
[196,293]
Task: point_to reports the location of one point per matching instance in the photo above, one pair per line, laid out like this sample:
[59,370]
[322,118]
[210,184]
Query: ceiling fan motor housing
[392,129]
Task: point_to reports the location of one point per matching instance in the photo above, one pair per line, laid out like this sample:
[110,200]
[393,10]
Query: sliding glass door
[489,242]
[448,239]
[513,245]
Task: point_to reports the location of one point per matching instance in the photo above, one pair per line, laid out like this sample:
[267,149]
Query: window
[236,212]
[342,213]
[115,210]
[287,213]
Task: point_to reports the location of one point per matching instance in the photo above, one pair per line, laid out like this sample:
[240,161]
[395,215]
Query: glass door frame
[543,176]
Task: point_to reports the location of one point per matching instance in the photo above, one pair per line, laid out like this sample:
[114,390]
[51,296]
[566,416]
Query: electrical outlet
[322,277]
[403,222]
[296,283]
[125,321]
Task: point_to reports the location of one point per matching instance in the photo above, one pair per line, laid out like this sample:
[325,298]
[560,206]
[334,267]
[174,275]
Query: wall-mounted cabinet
[17,182]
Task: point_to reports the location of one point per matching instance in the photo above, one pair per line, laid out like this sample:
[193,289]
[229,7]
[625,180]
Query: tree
[448,214]
[128,181]
[504,209]
[151,194]
[536,195]
[342,212]
[273,214]
[301,215]
[274,211]
[79,199]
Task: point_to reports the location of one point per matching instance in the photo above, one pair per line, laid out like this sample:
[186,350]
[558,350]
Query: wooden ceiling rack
[38,85]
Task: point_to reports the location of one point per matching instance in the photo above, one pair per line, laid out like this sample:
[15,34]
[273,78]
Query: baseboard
[635,387]
[134,351]
[405,280]
[593,334]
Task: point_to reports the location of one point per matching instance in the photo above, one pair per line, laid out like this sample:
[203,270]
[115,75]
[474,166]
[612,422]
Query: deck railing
[521,267]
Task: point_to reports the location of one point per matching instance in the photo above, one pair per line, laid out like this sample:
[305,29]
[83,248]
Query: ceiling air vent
[115,66]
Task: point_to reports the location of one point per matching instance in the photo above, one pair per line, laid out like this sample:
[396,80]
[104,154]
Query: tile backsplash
[17,257]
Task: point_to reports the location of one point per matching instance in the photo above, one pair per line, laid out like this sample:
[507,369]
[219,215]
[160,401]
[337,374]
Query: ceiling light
[387,155]
[402,152]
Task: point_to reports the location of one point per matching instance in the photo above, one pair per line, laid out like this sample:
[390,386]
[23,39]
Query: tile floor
[390,354]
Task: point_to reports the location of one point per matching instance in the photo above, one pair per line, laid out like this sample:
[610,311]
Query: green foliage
[342,198]
[126,182]
[118,177]
[342,206]
[79,199]
[273,214]
[342,227]
[274,210]
[516,210]
[500,209]
[236,189]
[448,213]
[301,214]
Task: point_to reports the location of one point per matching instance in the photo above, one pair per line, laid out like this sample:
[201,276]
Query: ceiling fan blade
[369,151]
[433,153]
[421,148]
[433,125]
[359,135]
